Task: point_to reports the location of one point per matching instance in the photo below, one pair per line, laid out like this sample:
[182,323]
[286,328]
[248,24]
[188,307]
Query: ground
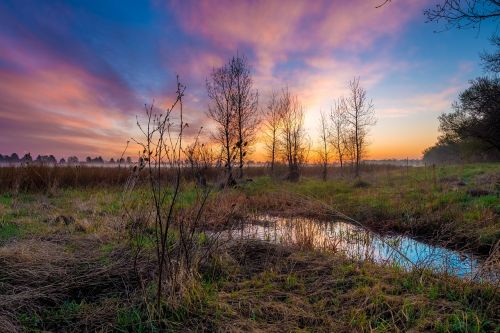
[67,263]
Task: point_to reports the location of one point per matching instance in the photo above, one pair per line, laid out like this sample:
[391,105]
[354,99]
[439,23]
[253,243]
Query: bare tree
[245,101]
[338,137]
[292,136]
[491,61]
[324,151]
[463,14]
[272,121]
[360,115]
[220,89]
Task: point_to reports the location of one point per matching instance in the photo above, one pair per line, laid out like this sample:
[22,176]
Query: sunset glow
[73,76]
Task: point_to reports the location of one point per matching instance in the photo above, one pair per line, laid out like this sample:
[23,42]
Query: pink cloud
[59,108]
[274,29]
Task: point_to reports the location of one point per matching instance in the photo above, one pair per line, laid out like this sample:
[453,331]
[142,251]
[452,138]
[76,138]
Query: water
[360,244]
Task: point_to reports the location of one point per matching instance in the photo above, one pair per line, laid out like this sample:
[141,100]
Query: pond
[361,244]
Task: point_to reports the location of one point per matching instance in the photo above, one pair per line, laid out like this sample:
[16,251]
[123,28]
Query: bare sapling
[158,189]
[324,149]
[338,131]
[272,127]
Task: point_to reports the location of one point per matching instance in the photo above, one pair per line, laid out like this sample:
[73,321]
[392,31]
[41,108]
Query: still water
[360,244]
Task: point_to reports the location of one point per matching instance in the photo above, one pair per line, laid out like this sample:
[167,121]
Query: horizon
[73,76]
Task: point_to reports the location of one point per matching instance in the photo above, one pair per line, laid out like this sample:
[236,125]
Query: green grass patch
[9,231]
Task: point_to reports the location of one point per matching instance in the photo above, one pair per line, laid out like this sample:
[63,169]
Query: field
[72,261]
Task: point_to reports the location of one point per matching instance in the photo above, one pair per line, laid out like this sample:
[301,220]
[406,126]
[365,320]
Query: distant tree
[27,158]
[46,159]
[360,115]
[62,161]
[88,159]
[292,137]
[324,151]
[121,160]
[112,161]
[442,153]
[220,88]
[14,158]
[2,158]
[129,160]
[458,152]
[245,102]
[462,14]
[272,122]
[73,160]
[338,137]
[475,115]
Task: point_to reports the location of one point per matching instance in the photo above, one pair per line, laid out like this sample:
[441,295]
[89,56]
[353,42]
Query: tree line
[51,159]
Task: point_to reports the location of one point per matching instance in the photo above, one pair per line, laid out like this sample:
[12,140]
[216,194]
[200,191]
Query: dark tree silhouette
[27,158]
[463,14]
[14,158]
[73,160]
[475,115]
[491,61]
[46,159]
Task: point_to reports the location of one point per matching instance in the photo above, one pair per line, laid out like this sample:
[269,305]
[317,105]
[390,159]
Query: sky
[75,74]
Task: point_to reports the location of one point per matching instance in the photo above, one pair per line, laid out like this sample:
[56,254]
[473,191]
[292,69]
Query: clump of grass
[361,184]
[8,231]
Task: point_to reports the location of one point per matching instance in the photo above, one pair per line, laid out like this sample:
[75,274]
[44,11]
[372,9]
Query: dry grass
[39,274]
[43,178]
[284,290]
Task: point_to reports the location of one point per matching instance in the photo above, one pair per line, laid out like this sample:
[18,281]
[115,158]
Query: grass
[413,202]
[270,288]
[78,275]
[9,231]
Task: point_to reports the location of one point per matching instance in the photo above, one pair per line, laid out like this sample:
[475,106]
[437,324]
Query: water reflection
[360,244]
